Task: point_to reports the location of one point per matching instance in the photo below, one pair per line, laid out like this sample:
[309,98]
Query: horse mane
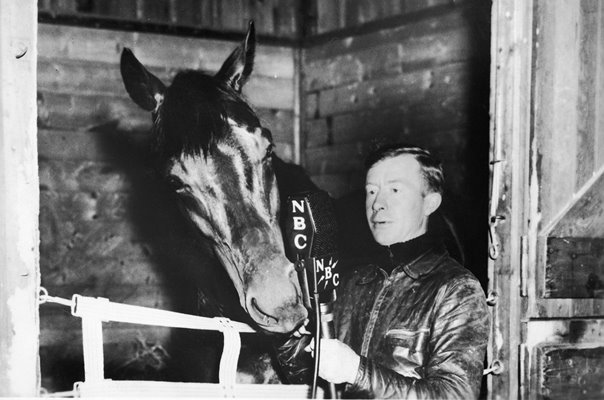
[194,113]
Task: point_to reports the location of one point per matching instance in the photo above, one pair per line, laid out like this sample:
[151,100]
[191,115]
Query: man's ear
[431,203]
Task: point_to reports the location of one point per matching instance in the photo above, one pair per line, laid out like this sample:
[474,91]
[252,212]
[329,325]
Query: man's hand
[338,363]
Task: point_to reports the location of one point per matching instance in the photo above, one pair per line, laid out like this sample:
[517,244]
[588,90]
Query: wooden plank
[154,50]
[103,145]
[586,101]
[352,67]
[403,90]
[599,140]
[561,331]
[401,123]
[19,204]
[263,15]
[288,18]
[188,13]
[448,145]
[359,127]
[105,113]
[512,30]
[156,11]
[328,16]
[431,25]
[232,15]
[351,14]
[565,372]
[574,267]
[206,13]
[585,217]
[92,78]
[556,120]
[389,58]
[63,6]
[89,112]
[368,11]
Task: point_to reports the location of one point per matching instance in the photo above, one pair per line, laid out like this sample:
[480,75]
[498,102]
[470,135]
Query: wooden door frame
[510,132]
[19,201]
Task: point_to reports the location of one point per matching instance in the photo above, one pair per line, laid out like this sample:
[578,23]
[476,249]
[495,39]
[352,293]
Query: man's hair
[430,166]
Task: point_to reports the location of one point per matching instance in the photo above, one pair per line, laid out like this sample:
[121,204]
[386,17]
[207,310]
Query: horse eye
[269,152]
[176,184]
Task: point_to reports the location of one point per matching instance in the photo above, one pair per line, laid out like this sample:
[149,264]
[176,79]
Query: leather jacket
[421,331]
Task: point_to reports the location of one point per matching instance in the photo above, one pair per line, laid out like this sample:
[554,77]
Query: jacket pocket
[408,349]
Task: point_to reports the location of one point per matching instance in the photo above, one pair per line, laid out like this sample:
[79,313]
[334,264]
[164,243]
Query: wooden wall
[421,77]
[548,191]
[327,16]
[275,18]
[107,229]
[566,280]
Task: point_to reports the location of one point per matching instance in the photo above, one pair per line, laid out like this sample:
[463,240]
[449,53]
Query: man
[413,327]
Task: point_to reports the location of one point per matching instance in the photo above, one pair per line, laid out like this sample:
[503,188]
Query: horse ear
[238,66]
[143,87]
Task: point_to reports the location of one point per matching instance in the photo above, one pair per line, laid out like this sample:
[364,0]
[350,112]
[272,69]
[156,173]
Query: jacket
[421,331]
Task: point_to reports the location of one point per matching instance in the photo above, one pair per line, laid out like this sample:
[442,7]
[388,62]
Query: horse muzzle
[278,308]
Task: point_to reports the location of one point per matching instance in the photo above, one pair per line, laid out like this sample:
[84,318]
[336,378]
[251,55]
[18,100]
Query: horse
[212,150]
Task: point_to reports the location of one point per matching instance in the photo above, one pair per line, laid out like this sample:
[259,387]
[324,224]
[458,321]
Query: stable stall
[506,93]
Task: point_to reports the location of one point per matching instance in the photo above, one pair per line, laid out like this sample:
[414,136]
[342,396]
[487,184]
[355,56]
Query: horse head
[214,153]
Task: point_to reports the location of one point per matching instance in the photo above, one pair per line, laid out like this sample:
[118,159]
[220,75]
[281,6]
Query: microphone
[311,230]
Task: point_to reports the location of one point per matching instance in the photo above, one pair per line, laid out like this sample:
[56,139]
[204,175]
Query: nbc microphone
[312,244]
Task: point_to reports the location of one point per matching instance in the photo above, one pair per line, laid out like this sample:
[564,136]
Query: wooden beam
[511,47]
[19,199]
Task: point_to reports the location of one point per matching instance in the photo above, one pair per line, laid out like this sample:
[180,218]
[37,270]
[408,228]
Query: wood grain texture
[339,14]
[574,268]
[569,372]
[154,50]
[586,100]
[19,202]
[273,18]
[585,216]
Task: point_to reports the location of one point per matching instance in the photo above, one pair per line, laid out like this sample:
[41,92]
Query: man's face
[396,204]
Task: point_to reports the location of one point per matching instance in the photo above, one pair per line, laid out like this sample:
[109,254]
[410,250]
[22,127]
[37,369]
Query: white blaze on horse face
[199,176]
[215,182]
[256,146]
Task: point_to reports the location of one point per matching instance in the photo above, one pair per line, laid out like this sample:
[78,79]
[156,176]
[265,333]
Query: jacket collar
[422,264]
[425,263]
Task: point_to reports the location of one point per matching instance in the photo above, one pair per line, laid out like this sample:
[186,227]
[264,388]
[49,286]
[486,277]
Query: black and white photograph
[319,199]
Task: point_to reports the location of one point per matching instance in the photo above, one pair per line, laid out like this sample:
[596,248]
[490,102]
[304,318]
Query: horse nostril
[266,318]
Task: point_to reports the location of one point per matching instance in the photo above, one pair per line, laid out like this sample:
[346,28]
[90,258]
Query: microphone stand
[324,320]
[324,329]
